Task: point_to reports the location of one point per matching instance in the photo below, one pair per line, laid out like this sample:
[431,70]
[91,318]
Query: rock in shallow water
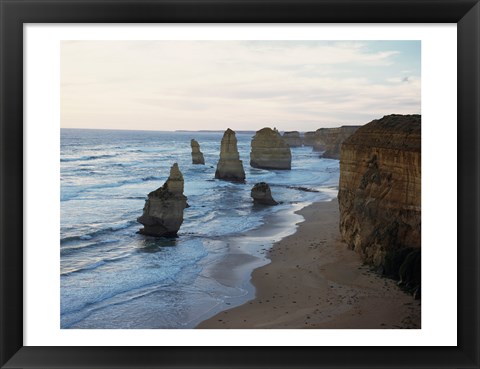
[229,167]
[261,194]
[270,151]
[163,210]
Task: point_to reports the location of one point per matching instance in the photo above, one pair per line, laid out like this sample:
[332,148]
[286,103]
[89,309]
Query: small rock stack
[163,210]
[261,194]
[197,156]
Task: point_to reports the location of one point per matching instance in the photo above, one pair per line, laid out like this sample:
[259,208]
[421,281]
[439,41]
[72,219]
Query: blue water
[113,277]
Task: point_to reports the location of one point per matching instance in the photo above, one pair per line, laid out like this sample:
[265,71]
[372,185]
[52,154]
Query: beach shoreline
[247,252]
[315,281]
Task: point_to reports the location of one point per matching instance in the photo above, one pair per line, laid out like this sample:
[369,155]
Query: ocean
[113,277]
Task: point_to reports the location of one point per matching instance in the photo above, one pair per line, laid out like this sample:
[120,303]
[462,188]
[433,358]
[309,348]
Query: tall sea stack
[379,195]
[197,156]
[270,151]
[229,167]
[163,210]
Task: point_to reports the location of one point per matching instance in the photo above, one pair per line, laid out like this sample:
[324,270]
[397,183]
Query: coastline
[247,252]
[315,281]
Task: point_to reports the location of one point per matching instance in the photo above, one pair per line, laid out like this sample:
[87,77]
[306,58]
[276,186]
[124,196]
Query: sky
[242,85]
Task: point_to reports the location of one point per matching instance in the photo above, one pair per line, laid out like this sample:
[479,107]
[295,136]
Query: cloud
[243,84]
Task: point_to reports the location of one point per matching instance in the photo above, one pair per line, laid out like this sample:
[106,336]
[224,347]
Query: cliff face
[270,151]
[229,166]
[379,194]
[292,138]
[331,139]
[163,210]
[197,156]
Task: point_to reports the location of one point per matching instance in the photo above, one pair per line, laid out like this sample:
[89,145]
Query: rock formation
[309,138]
[261,194]
[379,195]
[197,156]
[163,210]
[270,151]
[330,140]
[230,166]
[292,138]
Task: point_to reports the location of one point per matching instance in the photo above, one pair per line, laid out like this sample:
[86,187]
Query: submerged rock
[292,138]
[261,194]
[197,156]
[379,195]
[163,210]
[270,151]
[230,167]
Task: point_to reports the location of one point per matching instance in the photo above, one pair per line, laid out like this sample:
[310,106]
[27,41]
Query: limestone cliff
[292,138]
[330,140]
[229,165]
[261,194]
[163,210]
[379,194]
[270,151]
[197,156]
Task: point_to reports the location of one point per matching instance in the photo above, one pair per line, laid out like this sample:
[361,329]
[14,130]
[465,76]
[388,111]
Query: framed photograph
[239,184]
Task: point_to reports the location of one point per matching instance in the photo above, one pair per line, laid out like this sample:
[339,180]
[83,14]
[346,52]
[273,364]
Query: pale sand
[315,281]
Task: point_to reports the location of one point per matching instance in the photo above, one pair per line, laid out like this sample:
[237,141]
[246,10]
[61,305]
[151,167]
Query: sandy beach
[315,281]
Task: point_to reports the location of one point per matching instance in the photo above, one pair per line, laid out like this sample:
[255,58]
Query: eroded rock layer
[330,140]
[379,194]
[292,138]
[229,166]
[197,156]
[270,151]
[163,210]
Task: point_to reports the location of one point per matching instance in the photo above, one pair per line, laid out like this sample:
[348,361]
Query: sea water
[113,277]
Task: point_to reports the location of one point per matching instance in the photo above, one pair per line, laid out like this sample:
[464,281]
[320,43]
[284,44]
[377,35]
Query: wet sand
[315,281]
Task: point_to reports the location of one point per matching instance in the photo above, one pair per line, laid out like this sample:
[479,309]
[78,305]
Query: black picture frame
[15,13]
